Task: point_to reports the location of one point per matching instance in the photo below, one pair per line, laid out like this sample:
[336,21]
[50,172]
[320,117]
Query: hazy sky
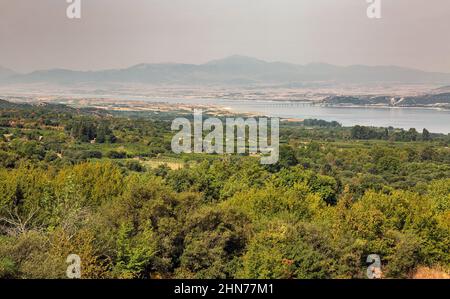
[36,34]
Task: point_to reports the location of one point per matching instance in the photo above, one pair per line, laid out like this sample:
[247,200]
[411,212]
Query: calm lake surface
[436,121]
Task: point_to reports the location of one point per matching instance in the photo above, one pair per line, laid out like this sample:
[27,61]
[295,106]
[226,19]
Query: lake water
[436,121]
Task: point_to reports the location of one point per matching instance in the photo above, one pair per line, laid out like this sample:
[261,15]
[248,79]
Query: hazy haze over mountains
[233,70]
[5,73]
[37,35]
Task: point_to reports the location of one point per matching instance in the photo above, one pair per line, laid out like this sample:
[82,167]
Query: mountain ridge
[5,72]
[234,70]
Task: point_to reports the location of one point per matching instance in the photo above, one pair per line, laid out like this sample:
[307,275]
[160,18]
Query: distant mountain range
[233,70]
[6,73]
[443,89]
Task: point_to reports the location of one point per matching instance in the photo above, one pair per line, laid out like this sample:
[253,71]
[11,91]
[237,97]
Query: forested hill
[10,105]
[44,107]
[110,189]
[441,100]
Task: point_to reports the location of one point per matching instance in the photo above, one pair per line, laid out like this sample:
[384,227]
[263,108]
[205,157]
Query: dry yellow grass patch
[428,273]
